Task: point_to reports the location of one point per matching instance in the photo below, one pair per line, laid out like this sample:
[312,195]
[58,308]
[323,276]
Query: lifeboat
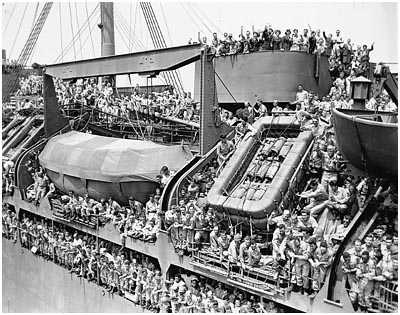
[368,140]
[108,167]
[255,178]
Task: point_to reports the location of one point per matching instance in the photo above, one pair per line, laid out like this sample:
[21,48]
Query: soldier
[365,274]
[323,258]
[349,268]
[298,253]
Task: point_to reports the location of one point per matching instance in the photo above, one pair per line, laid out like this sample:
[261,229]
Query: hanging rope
[154,37]
[125,27]
[137,116]
[197,25]
[9,19]
[198,9]
[200,19]
[117,24]
[72,28]
[83,28]
[174,74]
[134,24]
[87,36]
[77,22]
[19,28]
[61,37]
[90,30]
[159,42]
[79,35]
[166,25]
[130,23]
[225,86]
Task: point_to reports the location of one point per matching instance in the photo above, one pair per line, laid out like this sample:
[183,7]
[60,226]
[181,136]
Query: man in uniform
[225,149]
[322,260]
[349,268]
[365,274]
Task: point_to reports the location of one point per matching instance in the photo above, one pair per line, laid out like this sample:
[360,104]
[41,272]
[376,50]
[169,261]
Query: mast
[107,29]
[107,35]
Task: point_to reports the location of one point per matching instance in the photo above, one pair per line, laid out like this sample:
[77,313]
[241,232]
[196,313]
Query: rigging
[61,37]
[72,28]
[90,31]
[9,19]
[26,51]
[79,35]
[158,41]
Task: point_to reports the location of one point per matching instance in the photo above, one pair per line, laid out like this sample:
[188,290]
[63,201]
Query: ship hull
[33,284]
[371,146]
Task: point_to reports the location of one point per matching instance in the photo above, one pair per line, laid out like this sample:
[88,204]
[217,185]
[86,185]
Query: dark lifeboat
[104,167]
[368,140]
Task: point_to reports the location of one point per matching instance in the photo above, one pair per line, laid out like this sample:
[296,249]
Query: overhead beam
[151,61]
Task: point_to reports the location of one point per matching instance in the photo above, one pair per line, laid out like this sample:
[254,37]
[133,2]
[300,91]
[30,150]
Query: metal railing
[139,125]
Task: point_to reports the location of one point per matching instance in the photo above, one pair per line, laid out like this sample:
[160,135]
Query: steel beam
[211,126]
[152,61]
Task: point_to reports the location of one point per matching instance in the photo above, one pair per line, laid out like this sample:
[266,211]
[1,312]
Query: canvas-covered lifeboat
[104,167]
[253,181]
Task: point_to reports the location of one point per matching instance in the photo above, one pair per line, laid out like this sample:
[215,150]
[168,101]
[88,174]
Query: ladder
[26,52]
[171,77]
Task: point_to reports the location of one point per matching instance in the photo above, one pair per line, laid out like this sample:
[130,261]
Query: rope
[69,46]
[126,29]
[19,28]
[134,25]
[87,37]
[208,19]
[153,37]
[225,86]
[130,22]
[79,35]
[195,13]
[72,27]
[9,19]
[165,22]
[133,127]
[61,37]
[90,31]
[137,116]
[198,27]
[119,32]
[177,83]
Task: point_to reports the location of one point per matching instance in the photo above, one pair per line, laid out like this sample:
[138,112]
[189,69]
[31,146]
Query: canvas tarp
[110,159]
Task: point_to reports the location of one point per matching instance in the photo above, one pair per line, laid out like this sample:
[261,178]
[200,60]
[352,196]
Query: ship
[33,284]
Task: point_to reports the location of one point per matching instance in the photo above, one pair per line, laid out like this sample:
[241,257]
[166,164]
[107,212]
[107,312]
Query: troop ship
[110,161]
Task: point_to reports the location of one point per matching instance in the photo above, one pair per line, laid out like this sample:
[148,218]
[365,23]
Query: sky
[362,22]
